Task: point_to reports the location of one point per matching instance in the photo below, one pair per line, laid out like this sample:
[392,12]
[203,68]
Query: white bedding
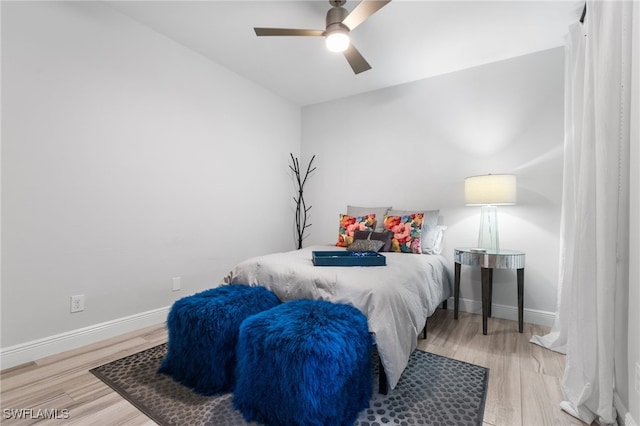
[396,298]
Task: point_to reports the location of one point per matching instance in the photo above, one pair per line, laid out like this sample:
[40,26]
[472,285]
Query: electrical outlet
[176,283]
[77,303]
[637,383]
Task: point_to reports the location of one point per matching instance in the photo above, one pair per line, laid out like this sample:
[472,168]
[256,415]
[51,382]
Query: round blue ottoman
[304,362]
[203,332]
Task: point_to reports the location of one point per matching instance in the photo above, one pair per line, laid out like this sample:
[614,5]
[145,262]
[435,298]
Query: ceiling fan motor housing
[335,16]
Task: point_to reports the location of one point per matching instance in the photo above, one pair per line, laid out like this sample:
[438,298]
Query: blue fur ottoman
[304,362]
[203,332]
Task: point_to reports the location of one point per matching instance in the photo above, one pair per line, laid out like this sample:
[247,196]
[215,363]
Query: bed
[396,298]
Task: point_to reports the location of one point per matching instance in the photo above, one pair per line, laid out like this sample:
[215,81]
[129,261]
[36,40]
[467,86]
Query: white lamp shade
[490,190]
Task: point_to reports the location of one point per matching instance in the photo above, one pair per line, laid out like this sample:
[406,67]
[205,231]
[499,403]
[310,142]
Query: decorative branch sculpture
[301,206]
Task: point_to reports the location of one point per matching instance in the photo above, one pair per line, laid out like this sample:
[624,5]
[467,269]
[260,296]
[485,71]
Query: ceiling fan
[338,25]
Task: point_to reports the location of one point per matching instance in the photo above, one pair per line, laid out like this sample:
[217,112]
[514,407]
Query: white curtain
[594,223]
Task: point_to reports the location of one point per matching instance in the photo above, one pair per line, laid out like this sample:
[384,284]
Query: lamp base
[488,236]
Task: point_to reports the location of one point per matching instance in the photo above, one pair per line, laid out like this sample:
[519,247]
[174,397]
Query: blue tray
[348,258]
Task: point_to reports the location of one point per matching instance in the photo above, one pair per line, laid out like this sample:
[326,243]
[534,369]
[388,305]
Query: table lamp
[489,191]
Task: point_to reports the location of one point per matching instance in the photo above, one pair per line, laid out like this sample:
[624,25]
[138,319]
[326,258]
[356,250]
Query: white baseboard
[40,348]
[624,416]
[531,316]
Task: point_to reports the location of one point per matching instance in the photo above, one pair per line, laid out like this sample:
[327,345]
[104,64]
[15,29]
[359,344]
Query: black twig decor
[301,206]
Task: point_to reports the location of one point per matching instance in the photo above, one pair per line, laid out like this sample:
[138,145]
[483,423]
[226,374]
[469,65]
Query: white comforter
[396,298]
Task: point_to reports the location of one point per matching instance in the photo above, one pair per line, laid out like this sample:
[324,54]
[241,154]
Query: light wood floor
[523,380]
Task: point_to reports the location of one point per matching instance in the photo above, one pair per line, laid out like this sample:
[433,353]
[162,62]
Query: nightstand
[488,260]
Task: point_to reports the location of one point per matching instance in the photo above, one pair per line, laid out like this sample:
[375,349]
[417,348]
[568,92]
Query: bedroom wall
[633,343]
[411,146]
[127,160]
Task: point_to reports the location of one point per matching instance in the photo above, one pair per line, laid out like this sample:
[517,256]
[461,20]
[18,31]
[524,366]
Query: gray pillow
[385,237]
[365,245]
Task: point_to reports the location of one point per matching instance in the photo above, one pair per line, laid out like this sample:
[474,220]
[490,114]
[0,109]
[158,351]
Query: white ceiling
[406,40]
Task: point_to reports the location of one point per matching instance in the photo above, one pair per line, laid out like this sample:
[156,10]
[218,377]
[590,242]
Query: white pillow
[435,240]
[378,211]
[429,222]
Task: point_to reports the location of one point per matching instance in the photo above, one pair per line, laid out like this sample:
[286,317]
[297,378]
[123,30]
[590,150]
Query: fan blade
[287,32]
[362,11]
[356,60]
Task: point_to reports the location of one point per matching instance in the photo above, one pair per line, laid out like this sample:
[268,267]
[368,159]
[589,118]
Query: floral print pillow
[350,224]
[407,232]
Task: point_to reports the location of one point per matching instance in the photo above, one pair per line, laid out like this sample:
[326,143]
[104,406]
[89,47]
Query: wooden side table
[488,260]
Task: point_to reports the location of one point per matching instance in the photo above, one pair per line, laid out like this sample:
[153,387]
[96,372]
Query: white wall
[633,345]
[127,160]
[411,147]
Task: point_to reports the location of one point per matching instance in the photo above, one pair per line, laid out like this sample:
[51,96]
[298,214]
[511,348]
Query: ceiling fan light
[337,41]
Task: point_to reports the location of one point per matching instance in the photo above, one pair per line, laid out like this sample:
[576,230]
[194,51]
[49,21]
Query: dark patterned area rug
[433,390]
